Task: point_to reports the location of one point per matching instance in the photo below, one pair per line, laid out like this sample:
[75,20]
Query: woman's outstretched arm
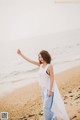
[26,58]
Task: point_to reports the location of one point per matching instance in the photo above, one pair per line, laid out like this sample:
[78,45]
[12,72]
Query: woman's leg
[47,104]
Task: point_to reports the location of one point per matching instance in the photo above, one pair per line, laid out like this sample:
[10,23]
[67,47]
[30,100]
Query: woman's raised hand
[19,52]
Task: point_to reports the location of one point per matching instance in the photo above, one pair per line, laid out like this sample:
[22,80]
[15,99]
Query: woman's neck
[44,64]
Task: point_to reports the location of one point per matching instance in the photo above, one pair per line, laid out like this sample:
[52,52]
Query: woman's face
[40,58]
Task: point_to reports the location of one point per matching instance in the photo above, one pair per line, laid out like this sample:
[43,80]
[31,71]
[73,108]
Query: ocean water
[15,72]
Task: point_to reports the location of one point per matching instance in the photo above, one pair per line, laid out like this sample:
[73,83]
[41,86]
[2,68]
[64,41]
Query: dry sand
[26,103]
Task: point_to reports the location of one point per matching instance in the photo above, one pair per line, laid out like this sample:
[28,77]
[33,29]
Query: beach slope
[26,103]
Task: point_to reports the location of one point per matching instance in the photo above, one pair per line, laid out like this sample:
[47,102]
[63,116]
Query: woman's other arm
[51,72]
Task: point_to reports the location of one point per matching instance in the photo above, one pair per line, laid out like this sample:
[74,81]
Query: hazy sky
[20,19]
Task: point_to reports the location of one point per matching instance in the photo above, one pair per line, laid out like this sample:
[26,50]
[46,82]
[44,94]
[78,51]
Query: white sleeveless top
[44,78]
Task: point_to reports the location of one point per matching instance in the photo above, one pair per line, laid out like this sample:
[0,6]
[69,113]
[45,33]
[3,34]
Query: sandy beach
[26,103]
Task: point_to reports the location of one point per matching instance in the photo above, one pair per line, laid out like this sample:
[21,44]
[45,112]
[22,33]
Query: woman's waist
[43,87]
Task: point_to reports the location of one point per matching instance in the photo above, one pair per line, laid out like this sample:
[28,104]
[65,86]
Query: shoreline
[9,88]
[23,102]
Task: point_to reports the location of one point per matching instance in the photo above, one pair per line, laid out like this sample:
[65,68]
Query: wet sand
[26,103]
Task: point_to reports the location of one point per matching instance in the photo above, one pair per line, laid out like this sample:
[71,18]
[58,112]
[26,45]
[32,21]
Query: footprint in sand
[78,89]
[77,97]
[73,117]
[62,88]
[69,91]
[65,102]
[31,115]
[23,118]
[71,95]
[65,97]
[41,112]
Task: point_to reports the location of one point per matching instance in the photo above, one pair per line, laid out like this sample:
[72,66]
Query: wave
[67,60]
[17,73]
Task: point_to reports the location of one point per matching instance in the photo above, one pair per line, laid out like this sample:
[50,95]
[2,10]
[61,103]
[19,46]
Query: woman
[53,105]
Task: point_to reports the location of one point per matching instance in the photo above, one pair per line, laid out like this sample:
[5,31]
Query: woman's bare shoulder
[50,67]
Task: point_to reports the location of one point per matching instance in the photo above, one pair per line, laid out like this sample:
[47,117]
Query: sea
[16,72]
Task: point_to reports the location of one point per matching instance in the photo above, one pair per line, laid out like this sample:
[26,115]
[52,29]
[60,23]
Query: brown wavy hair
[46,56]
